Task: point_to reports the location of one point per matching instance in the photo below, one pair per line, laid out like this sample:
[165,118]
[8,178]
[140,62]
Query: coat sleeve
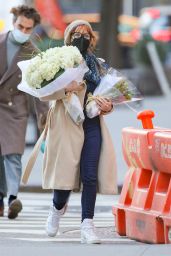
[59,95]
[106,113]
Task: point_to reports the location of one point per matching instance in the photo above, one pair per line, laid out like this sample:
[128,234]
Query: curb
[39,189]
[34,189]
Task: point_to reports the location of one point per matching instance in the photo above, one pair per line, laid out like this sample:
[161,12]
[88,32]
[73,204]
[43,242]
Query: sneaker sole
[50,234]
[83,241]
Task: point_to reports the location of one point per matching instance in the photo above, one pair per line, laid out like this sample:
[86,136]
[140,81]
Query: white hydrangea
[46,65]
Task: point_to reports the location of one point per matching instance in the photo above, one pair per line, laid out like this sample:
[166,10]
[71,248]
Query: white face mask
[19,36]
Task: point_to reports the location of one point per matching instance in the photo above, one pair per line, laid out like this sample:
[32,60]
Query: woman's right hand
[73,87]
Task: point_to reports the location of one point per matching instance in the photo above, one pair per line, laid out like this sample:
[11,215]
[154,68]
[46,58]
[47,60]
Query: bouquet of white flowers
[115,87]
[51,71]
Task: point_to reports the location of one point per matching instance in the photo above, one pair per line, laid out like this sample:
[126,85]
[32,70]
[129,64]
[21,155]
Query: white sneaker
[52,223]
[88,232]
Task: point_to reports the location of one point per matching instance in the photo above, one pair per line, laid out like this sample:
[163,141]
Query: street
[26,234]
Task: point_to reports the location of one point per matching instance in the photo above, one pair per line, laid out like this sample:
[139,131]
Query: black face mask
[81,43]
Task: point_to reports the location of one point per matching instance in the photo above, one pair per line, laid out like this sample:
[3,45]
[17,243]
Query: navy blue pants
[88,168]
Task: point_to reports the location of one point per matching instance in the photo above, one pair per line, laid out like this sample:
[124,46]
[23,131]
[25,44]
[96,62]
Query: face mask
[19,36]
[81,43]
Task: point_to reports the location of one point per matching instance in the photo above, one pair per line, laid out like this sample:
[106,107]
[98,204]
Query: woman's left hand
[104,105]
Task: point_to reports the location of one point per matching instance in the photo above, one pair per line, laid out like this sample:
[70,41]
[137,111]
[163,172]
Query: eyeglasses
[77,35]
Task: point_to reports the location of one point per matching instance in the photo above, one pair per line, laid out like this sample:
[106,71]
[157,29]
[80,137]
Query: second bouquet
[51,71]
[115,87]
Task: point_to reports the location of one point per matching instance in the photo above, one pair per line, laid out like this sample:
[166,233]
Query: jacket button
[10,103]
[11,89]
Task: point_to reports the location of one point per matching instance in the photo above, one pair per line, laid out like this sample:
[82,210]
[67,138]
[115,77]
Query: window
[80,6]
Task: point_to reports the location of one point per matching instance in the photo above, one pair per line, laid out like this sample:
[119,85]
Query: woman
[75,153]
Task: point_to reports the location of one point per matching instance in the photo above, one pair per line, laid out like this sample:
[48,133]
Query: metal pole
[158,68]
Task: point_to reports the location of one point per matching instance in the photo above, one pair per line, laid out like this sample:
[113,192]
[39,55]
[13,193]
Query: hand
[73,87]
[104,105]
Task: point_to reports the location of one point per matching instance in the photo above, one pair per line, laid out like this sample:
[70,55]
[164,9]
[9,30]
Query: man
[14,108]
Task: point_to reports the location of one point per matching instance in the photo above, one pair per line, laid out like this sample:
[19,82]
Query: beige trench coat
[63,150]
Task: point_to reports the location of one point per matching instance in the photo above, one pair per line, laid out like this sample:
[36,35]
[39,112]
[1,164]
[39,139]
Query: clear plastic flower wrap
[74,108]
[115,87]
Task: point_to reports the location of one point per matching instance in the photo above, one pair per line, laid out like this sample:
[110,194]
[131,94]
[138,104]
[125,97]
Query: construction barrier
[144,208]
